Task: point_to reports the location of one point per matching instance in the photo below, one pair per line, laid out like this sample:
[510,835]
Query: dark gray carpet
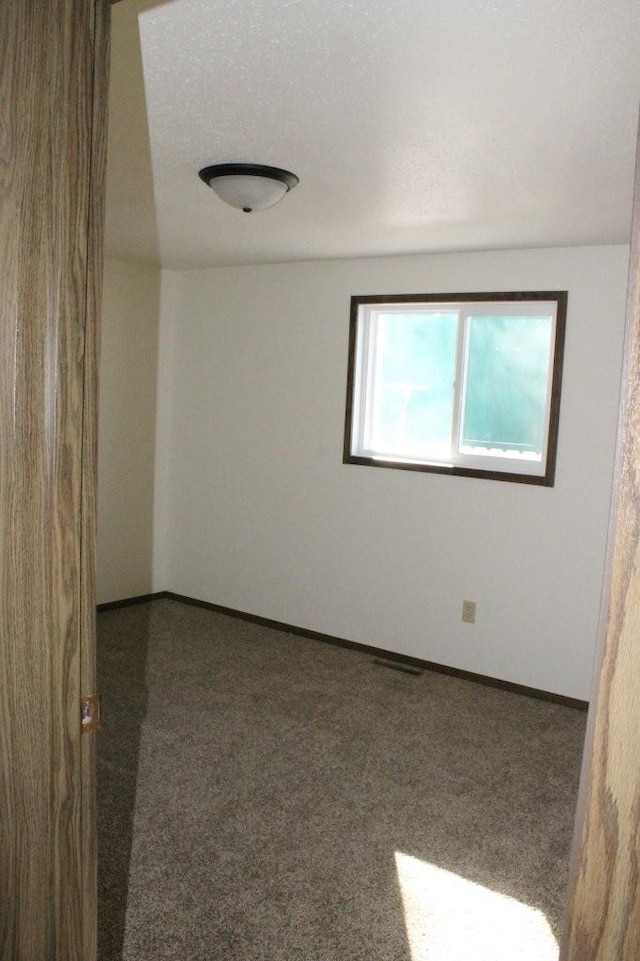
[256,790]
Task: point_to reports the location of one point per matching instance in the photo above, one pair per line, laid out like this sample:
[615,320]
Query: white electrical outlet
[469,612]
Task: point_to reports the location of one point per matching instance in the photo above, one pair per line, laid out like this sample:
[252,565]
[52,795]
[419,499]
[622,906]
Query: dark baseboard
[415,662]
[375,651]
[129,601]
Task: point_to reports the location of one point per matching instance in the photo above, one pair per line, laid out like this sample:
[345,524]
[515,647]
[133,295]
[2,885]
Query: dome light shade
[248,187]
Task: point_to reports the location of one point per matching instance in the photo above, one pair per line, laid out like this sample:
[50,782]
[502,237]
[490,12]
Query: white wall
[261,515]
[128,364]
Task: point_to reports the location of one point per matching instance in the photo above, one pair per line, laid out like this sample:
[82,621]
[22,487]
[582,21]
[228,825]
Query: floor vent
[398,666]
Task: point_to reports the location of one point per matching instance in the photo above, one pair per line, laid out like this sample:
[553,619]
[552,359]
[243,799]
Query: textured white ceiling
[414,126]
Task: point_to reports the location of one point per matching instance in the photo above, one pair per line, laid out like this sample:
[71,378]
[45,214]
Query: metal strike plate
[90,713]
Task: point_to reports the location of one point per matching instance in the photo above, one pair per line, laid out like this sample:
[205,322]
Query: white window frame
[359,445]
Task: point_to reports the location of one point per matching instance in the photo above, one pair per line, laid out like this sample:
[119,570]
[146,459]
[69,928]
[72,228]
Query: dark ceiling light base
[248,187]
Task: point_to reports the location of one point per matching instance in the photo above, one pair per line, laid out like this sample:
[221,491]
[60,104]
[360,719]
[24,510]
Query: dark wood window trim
[547,479]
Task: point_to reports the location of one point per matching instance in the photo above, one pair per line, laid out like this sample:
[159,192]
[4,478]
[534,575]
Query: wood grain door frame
[53,89]
[603,914]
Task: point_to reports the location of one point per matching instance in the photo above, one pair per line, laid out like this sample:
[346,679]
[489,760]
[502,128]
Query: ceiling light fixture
[248,186]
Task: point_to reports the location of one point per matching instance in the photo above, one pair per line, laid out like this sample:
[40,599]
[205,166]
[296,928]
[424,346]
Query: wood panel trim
[603,918]
[50,243]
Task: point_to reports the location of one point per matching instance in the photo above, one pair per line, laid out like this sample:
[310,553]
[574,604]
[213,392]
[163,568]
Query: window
[456,383]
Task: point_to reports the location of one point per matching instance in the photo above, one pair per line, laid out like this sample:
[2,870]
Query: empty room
[363,329]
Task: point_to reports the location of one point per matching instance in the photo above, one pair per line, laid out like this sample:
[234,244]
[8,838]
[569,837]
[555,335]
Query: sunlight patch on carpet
[449,918]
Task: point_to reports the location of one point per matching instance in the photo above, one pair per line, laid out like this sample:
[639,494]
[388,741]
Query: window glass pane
[507,370]
[414,383]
